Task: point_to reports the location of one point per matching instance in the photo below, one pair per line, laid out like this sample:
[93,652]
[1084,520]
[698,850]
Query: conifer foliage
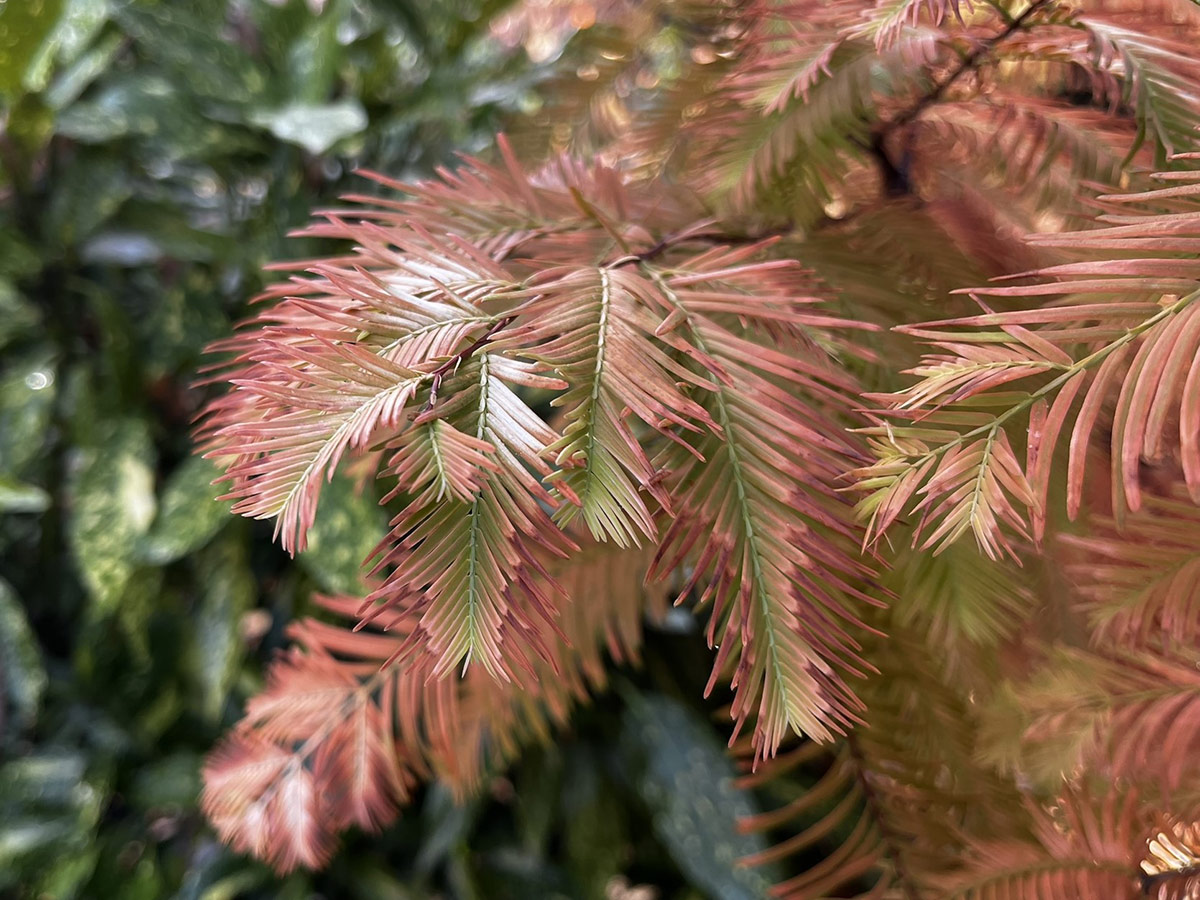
[868,331]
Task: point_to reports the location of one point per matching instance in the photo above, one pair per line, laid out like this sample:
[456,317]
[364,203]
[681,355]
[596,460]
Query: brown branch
[1152,885]
[454,361]
[670,241]
[967,64]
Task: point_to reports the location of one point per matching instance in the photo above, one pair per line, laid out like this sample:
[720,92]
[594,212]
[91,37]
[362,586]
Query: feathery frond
[466,567]
[336,740]
[750,495]
[892,801]
[1139,585]
[336,368]
[1114,330]
[1128,714]
[958,599]
[890,18]
[596,328]
[1084,849]
[578,372]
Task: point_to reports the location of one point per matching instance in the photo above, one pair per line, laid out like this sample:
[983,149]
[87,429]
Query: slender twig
[671,241]
[470,350]
[1152,884]
[968,63]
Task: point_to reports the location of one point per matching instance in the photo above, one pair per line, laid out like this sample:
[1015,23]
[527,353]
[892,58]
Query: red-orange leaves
[1139,585]
[313,756]
[758,518]
[1115,348]
[702,412]
[335,739]
[356,768]
[1082,849]
[260,798]
[336,368]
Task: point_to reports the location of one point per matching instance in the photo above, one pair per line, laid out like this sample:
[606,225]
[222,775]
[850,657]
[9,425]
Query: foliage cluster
[863,331]
[728,280]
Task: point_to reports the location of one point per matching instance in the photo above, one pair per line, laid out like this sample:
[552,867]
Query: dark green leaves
[188,514]
[687,780]
[113,505]
[24,675]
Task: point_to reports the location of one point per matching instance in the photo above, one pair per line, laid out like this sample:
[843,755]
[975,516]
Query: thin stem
[991,428]
[466,353]
[968,63]
[670,241]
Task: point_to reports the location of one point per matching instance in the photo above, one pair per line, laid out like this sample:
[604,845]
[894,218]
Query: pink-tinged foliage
[697,397]
[425,346]
[1110,342]
[755,503]
[262,800]
[605,372]
[1139,585]
[338,736]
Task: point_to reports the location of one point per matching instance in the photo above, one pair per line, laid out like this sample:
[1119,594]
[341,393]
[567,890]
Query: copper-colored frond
[881,812]
[335,740]
[336,368]
[466,565]
[596,327]
[1113,348]
[757,516]
[1140,584]
[1084,848]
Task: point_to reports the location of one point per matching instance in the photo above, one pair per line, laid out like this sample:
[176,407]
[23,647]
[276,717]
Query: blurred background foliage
[153,157]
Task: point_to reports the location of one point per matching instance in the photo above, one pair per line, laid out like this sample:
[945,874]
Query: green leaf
[687,781]
[51,778]
[23,27]
[18,258]
[447,825]
[27,393]
[231,887]
[112,493]
[188,513]
[20,661]
[136,605]
[145,106]
[539,787]
[17,315]
[122,248]
[313,60]
[228,591]
[959,595]
[73,80]
[314,126]
[79,24]
[172,780]
[349,526]
[18,497]
[48,811]
[85,197]
[596,841]
[191,46]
